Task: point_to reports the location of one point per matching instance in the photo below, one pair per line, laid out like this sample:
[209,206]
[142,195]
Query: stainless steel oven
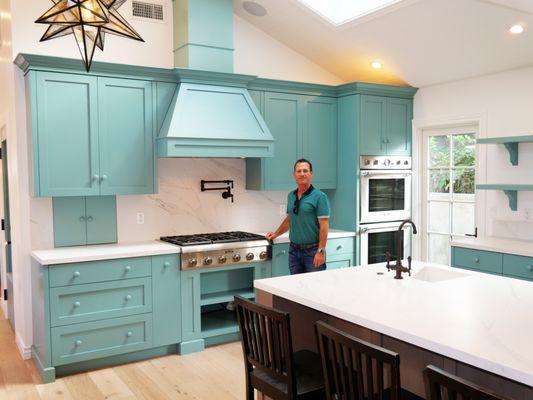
[377,239]
[385,189]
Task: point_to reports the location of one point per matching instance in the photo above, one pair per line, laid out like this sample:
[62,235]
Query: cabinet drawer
[484,261]
[518,266]
[110,337]
[91,302]
[99,271]
[339,261]
[339,246]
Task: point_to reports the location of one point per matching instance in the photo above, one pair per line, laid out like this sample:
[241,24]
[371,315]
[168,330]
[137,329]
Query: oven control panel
[219,258]
[385,162]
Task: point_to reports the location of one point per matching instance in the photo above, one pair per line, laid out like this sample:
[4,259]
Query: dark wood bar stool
[270,364]
[441,385]
[358,370]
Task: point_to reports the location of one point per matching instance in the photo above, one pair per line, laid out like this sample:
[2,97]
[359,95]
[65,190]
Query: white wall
[504,104]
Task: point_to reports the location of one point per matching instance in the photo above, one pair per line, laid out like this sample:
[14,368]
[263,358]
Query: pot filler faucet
[398,267]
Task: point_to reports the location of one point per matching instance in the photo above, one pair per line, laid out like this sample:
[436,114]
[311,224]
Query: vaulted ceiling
[419,42]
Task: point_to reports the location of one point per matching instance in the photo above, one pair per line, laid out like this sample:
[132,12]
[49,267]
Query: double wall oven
[385,190]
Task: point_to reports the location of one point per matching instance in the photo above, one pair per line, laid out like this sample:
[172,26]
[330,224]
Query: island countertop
[479,319]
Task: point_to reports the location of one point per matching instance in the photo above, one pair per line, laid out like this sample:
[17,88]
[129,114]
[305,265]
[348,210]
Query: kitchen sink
[430,274]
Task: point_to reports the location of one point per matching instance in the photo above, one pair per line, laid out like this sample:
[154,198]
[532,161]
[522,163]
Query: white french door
[448,177]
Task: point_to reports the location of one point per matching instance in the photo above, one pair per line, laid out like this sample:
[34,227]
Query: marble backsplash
[180,207]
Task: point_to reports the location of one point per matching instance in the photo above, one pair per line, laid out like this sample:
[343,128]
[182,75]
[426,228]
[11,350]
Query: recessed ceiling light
[516,29]
[376,64]
[251,7]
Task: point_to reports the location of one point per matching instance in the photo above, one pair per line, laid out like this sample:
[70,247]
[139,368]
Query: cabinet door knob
[283,252]
[104,177]
[78,343]
[127,268]
[76,274]
[82,218]
[129,334]
[128,297]
[96,177]
[77,304]
[89,218]
[530,268]
[476,259]
[166,264]
[340,246]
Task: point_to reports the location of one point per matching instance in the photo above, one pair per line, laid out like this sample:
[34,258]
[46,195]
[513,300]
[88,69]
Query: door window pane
[439,216]
[439,181]
[464,180]
[463,218]
[464,150]
[439,249]
[439,151]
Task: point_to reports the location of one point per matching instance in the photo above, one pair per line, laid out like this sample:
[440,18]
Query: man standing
[308,220]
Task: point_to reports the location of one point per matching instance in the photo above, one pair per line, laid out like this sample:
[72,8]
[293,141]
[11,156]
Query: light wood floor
[214,374]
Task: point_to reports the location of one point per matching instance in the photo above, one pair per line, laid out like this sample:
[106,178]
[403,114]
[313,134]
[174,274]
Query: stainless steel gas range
[209,250]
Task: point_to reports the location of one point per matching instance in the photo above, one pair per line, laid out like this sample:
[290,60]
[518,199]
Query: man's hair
[303,160]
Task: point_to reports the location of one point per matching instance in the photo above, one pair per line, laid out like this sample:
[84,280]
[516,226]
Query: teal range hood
[207,120]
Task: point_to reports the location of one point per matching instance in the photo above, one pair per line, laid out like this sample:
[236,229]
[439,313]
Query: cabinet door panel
[191,327]
[282,115]
[70,228]
[101,216]
[126,139]
[280,259]
[399,127]
[67,134]
[373,125]
[320,139]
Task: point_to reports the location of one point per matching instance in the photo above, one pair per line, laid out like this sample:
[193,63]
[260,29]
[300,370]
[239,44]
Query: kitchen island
[474,325]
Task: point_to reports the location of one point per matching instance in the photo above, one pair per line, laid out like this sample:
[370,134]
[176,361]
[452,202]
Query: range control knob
[263,255]
[236,257]
[192,262]
[398,162]
[222,259]
[208,261]
[406,162]
[250,256]
[367,162]
[386,162]
[375,162]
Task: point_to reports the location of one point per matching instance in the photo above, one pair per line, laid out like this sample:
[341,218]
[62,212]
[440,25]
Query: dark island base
[413,359]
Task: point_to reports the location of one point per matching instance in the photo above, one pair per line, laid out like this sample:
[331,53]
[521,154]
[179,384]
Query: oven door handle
[393,173]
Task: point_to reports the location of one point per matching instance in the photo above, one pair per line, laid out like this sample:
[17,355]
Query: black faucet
[399,268]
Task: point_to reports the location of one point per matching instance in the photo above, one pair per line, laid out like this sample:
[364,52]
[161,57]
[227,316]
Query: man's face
[302,174]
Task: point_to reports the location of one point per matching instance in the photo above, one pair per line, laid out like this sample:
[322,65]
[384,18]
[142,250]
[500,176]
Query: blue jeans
[301,261]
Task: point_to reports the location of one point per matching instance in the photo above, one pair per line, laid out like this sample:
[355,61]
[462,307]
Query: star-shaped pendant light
[88,21]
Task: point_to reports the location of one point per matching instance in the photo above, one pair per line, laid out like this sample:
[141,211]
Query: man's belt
[303,246]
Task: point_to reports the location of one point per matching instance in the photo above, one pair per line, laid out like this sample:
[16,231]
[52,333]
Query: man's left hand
[320,258]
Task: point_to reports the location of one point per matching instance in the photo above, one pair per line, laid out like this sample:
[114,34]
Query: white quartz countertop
[332,234]
[479,319]
[501,245]
[64,255]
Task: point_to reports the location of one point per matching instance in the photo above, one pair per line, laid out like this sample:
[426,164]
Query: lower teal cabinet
[81,342]
[280,259]
[166,284]
[509,265]
[84,220]
[98,310]
[340,261]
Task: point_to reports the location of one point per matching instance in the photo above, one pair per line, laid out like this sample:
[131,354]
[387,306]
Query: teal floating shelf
[510,143]
[511,191]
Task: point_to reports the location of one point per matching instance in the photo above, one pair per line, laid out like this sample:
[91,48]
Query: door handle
[472,234]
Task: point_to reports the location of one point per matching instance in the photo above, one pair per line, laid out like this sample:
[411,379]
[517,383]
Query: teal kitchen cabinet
[303,126]
[125,136]
[84,220]
[385,125]
[92,135]
[280,259]
[166,284]
[98,313]
[65,134]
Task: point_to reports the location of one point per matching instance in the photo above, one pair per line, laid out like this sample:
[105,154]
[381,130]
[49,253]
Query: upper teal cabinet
[91,135]
[385,125]
[303,126]
[125,136]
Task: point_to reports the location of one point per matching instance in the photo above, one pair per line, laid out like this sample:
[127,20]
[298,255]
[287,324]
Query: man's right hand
[270,236]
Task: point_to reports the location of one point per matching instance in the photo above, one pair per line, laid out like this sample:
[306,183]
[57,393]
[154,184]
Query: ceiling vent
[148,11]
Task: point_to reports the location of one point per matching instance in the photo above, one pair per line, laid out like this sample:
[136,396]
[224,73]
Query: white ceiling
[419,42]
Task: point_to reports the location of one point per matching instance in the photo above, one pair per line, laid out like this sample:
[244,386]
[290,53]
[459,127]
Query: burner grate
[209,238]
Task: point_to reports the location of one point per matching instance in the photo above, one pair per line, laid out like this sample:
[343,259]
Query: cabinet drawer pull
[104,177]
[340,246]
[530,268]
[78,343]
[76,274]
[283,252]
[476,259]
[127,268]
[96,177]
[128,297]
[166,264]
[77,304]
[82,219]
[129,334]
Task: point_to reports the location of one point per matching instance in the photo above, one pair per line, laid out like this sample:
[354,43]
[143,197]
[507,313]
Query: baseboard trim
[25,351]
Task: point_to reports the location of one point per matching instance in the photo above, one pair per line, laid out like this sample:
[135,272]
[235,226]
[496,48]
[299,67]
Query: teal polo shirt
[304,227]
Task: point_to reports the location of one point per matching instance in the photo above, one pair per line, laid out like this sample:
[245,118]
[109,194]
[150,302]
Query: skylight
[339,12]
